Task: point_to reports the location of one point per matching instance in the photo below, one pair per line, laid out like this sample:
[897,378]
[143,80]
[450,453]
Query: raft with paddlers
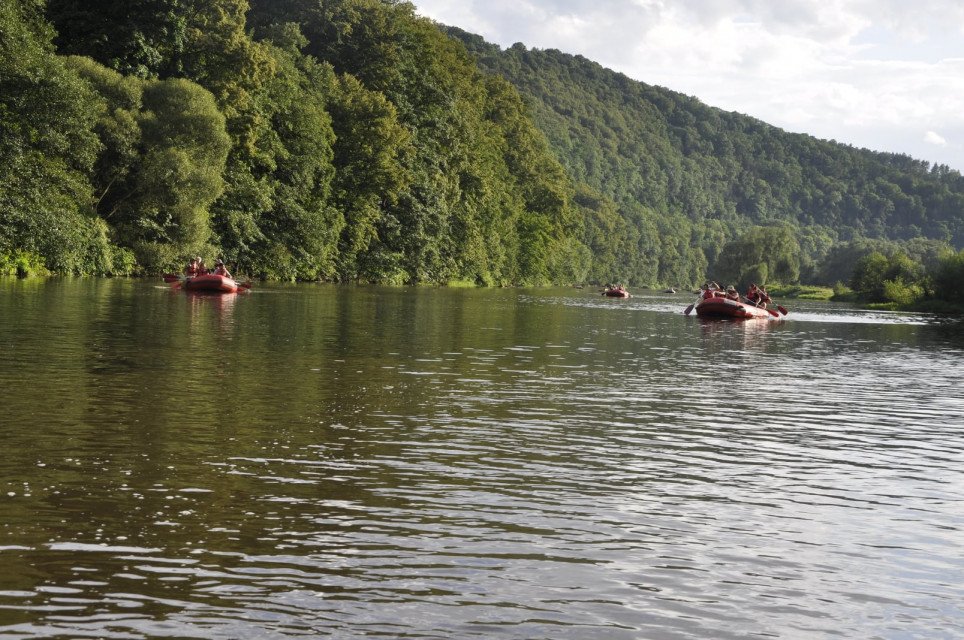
[208,282]
[617,291]
[197,278]
[211,282]
[717,303]
[723,307]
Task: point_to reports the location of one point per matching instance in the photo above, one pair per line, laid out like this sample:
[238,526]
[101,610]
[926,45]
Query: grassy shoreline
[801,292]
[813,292]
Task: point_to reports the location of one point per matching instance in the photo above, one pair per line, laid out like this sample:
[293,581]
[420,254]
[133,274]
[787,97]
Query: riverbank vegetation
[351,140]
[802,292]
[897,281]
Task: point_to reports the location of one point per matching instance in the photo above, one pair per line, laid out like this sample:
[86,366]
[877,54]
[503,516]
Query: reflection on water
[202,303]
[348,462]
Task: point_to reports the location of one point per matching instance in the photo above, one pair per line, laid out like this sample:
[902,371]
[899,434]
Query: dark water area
[347,462]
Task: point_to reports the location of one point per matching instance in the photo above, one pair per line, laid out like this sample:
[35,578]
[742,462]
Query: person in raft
[191,269]
[710,289]
[753,295]
[763,299]
[220,270]
[732,294]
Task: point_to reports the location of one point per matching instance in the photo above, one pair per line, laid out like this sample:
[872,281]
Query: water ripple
[487,464]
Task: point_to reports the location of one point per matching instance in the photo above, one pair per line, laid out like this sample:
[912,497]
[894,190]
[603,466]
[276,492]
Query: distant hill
[652,148]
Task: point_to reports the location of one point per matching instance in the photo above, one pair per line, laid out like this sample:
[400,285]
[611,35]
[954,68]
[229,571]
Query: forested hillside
[336,140]
[659,153]
[351,140]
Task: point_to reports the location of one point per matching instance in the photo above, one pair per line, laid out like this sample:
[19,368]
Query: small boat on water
[616,292]
[211,283]
[719,306]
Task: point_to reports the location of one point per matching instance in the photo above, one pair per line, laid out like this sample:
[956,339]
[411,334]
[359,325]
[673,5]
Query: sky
[886,75]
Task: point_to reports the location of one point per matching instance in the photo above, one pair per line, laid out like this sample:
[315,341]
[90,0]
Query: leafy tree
[901,292]
[297,225]
[757,274]
[948,278]
[774,247]
[840,262]
[370,154]
[895,278]
[117,127]
[463,163]
[164,149]
[869,275]
[926,252]
[47,148]
[143,38]
[184,148]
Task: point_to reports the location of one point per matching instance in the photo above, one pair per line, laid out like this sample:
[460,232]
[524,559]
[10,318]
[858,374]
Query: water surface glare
[346,462]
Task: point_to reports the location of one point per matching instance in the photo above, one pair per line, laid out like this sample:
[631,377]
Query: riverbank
[801,292]
[809,292]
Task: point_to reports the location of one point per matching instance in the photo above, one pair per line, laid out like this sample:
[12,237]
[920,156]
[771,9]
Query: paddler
[191,269]
[753,295]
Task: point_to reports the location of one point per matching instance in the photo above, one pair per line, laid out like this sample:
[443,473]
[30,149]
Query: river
[347,462]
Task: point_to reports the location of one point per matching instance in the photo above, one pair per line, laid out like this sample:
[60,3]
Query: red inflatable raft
[616,293]
[722,307]
[212,283]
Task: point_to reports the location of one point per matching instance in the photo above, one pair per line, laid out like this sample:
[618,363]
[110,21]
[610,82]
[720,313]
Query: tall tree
[144,38]
[47,148]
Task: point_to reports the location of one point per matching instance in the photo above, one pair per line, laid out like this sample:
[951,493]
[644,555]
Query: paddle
[244,285]
[170,277]
[688,309]
[765,299]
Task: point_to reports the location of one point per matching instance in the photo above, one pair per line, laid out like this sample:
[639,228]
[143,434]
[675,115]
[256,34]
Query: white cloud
[932,137]
[872,73]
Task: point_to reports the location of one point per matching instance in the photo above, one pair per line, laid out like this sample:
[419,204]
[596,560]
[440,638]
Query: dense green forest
[750,200]
[337,140]
[351,140]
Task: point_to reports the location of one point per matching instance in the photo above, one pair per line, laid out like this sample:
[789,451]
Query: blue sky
[886,75]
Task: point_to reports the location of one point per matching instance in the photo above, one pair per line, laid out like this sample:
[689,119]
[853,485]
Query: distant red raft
[721,307]
[616,292]
[212,283]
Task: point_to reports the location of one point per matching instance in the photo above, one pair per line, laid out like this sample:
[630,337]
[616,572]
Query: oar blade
[688,309]
[782,310]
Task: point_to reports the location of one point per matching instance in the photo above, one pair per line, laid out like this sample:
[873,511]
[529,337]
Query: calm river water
[347,462]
